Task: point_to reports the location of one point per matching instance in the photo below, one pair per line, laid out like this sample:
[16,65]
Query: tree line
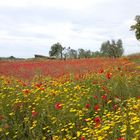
[108,49]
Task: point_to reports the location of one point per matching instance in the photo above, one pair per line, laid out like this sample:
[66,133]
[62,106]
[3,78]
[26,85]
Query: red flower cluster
[97,121]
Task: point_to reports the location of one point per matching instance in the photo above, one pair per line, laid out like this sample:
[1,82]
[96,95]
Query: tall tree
[88,54]
[81,53]
[96,54]
[105,48]
[72,53]
[112,49]
[136,27]
[120,49]
[57,50]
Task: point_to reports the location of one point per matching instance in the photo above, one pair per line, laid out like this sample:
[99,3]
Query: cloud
[62,4]
[35,25]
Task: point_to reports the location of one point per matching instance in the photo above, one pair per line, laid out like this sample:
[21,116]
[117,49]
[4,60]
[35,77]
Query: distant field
[134,57]
[27,69]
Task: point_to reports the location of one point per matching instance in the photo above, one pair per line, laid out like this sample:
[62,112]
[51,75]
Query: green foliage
[136,27]
[112,49]
[56,50]
[72,53]
[84,53]
[108,49]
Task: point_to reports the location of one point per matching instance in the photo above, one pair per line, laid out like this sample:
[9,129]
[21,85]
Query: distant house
[37,56]
[40,56]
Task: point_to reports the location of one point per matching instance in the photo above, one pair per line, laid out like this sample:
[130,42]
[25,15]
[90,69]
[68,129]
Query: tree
[136,27]
[88,54]
[72,53]
[66,52]
[105,48]
[57,50]
[112,49]
[120,49]
[96,54]
[81,53]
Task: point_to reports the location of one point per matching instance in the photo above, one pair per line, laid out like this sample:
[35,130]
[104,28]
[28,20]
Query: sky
[29,27]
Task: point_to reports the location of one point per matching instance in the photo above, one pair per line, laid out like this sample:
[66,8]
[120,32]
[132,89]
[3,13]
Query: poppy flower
[115,107]
[96,107]
[94,96]
[101,70]
[87,106]
[26,91]
[58,106]
[104,97]
[108,76]
[5,126]
[97,121]
[34,113]
[138,97]
[1,117]
[24,84]
[120,138]
[94,82]
[119,68]
[82,138]
[38,85]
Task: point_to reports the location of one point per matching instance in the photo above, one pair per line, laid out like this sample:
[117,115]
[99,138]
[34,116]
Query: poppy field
[85,99]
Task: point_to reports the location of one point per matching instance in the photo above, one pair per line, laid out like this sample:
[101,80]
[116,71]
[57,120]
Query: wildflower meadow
[86,99]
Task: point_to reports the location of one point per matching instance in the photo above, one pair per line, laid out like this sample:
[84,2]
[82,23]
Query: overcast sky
[29,27]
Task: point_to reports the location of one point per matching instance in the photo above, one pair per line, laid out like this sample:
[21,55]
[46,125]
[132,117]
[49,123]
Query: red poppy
[104,97]
[115,107]
[108,75]
[26,91]
[96,107]
[42,89]
[120,138]
[101,70]
[94,82]
[24,84]
[38,85]
[82,138]
[119,68]
[94,96]
[87,106]
[121,74]
[34,113]
[1,117]
[138,97]
[58,106]
[97,121]
[5,126]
